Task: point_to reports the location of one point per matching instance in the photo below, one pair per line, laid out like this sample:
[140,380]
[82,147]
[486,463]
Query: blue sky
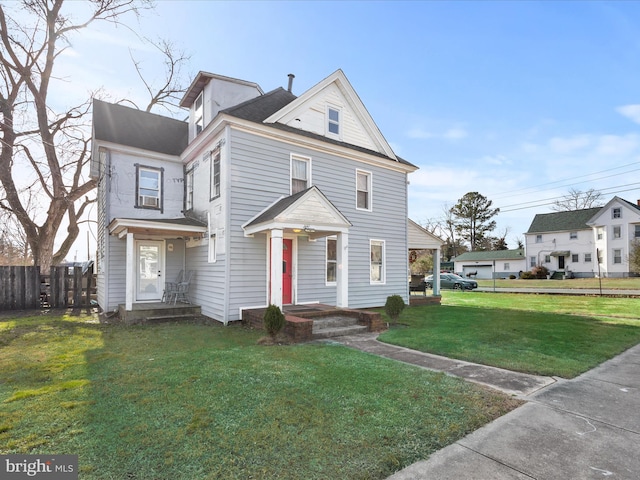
[520,101]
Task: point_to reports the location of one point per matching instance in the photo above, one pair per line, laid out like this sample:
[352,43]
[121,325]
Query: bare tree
[39,143]
[578,200]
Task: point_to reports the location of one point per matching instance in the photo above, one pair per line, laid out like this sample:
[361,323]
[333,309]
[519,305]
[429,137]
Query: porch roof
[169,227]
[308,211]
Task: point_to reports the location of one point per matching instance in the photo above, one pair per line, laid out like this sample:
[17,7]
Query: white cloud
[453,133]
[612,145]
[566,145]
[632,112]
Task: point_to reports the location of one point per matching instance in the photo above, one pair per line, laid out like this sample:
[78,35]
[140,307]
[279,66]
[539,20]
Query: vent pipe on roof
[291,77]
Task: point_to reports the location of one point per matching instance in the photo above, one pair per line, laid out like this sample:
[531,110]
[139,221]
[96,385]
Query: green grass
[189,401]
[554,335]
[606,283]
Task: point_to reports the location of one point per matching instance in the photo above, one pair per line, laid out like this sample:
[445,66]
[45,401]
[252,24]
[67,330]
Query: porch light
[308,229]
[297,230]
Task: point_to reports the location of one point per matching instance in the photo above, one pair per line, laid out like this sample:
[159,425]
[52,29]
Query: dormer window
[333,121]
[198,113]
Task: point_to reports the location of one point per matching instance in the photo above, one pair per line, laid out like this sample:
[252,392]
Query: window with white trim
[617,231]
[149,187]
[363,190]
[377,261]
[212,248]
[188,189]
[198,113]
[575,258]
[532,261]
[506,267]
[616,212]
[599,233]
[573,235]
[617,255]
[333,121]
[331,260]
[636,233]
[547,259]
[538,238]
[587,258]
[300,173]
[215,174]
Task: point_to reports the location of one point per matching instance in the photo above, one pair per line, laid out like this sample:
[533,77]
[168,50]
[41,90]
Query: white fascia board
[318,145]
[339,78]
[118,225]
[138,152]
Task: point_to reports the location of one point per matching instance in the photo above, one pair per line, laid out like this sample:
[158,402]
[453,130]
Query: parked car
[451,280]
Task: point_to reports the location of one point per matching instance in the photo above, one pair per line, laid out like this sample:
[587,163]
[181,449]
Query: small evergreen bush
[273,320]
[394,307]
[528,276]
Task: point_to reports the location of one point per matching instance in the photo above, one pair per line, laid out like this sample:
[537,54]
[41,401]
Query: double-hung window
[538,238]
[573,235]
[617,231]
[575,258]
[300,173]
[215,174]
[377,255]
[636,233]
[617,255]
[532,261]
[616,212]
[599,233]
[149,187]
[333,121]
[198,113]
[188,189]
[587,257]
[363,190]
[332,260]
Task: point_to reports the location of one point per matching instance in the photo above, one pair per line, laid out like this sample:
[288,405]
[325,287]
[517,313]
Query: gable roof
[593,221]
[562,221]
[136,128]
[420,238]
[309,210]
[516,254]
[201,81]
[261,108]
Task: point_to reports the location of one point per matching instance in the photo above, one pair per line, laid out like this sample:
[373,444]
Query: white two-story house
[269,198]
[585,243]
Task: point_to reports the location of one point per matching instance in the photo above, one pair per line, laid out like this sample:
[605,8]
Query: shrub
[512,277]
[394,307]
[540,271]
[527,276]
[273,320]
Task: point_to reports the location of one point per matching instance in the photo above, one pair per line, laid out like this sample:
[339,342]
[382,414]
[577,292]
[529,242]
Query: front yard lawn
[189,401]
[553,335]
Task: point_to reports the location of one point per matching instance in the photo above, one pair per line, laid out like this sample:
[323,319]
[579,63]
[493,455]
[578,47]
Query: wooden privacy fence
[25,288]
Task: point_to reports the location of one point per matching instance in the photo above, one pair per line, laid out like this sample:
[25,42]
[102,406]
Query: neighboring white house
[585,243]
[490,264]
[615,227]
[267,197]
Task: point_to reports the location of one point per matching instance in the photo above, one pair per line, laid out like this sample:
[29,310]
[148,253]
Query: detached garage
[487,265]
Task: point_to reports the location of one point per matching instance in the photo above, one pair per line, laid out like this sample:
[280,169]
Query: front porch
[157,312]
[299,321]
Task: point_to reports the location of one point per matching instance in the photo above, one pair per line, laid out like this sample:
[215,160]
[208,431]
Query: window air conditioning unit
[147,201]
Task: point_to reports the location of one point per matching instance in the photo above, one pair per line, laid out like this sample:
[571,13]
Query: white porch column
[436,271]
[276,268]
[129,283]
[342,275]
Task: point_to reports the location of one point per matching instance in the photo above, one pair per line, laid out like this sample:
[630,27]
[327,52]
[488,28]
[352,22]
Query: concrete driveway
[584,428]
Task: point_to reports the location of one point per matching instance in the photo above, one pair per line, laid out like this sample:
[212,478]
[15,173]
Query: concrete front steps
[336,326]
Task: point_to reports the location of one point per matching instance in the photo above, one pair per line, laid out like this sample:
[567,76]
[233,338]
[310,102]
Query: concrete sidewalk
[584,428]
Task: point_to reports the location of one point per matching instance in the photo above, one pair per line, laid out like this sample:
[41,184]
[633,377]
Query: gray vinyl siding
[116,272]
[207,287]
[260,176]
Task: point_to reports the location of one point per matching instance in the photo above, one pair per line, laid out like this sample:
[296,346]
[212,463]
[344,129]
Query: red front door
[287,270]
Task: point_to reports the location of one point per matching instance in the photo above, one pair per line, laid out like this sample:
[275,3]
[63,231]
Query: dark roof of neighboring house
[491,255]
[135,128]
[260,108]
[562,221]
[631,204]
